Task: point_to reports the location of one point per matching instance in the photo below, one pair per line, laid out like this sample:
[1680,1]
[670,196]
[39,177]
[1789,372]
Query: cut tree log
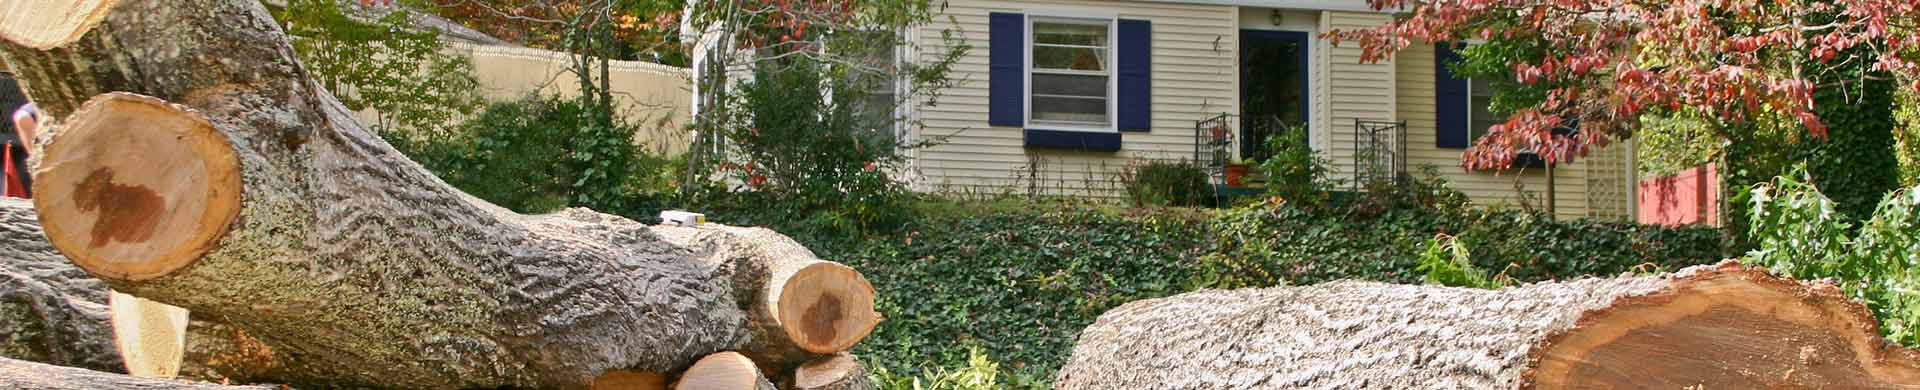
[723,371]
[799,307]
[50,311]
[25,375]
[837,372]
[1724,326]
[236,188]
[151,336]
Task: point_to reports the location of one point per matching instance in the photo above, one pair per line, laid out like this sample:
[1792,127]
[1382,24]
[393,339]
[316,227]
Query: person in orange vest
[14,136]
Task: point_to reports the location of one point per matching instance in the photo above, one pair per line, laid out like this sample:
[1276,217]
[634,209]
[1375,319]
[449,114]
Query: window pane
[1480,115]
[1070,34]
[1075,58]
[1076,85]
[1068,109]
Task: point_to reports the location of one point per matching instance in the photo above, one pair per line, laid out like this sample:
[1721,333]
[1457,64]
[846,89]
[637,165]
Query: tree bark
[24,375]
[837,372]
[50,311]
[1715,327]
[241,191]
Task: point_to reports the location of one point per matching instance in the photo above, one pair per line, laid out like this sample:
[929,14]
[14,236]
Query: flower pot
[1236,174]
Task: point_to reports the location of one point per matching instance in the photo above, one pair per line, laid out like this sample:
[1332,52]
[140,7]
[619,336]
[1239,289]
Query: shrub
[1799,231]
[541,154]
[1448,262]
[1166,183]
[979,373]
[1295,172]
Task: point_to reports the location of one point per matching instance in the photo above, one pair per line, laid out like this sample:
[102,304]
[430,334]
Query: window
[1480,115]
[1070,74]
[879,73]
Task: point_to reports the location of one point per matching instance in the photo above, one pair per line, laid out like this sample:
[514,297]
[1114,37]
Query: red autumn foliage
[1611,61]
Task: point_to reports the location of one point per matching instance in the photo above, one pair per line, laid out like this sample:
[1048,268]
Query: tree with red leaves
[1606,63]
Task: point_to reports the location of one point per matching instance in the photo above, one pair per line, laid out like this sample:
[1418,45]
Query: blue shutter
[1006,78]
[1136,75]
[1450,105]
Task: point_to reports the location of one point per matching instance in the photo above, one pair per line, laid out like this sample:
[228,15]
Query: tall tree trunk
[50,311]
[1712,327]
[241,191]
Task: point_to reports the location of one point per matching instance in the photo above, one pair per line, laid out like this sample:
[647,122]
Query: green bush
[1448,262]
[541,154]
[1167,183]
[979,373]
[1798,231]
[1295,172]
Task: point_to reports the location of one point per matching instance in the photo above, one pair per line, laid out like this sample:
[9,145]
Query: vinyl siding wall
[1193,79]
[1415,72]
[1355,91]
[1195,76]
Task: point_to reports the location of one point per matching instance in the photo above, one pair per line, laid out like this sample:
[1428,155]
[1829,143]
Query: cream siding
[1356,91]
[1415,70]
[1195,76]
[1193,79]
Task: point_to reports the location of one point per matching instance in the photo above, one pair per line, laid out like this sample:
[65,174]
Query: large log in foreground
[234,187]
[1708,327]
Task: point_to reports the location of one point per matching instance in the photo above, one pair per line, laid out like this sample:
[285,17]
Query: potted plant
[1236,173]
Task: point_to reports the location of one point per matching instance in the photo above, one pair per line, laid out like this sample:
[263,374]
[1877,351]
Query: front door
[1273,87]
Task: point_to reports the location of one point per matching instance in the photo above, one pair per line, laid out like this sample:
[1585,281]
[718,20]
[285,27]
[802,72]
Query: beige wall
[1193,78]
[1599,185]
[656,97]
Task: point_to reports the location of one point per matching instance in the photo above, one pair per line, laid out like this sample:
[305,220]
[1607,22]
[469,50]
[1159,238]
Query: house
[1060,95]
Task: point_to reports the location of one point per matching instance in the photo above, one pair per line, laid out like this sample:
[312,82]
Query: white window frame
[1113,79]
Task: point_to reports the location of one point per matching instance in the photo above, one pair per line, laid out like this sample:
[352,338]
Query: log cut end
[151,336]
[630,380]
[134,188]
[838,372]
[47,24]
[1728,328]
[827,307]
[723,371]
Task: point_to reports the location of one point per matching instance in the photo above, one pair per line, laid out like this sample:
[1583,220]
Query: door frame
[1301,39]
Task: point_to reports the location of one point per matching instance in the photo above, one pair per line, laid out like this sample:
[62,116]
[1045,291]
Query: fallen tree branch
[200,167]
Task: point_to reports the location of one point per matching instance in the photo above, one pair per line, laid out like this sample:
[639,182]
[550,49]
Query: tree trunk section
[1715,327]
[24,375]
[837,372]
[259,201]
[50,311]
[723,371]
[799,307]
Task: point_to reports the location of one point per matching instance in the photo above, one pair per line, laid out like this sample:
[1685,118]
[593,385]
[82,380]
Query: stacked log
[197,165]
[1710,327]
